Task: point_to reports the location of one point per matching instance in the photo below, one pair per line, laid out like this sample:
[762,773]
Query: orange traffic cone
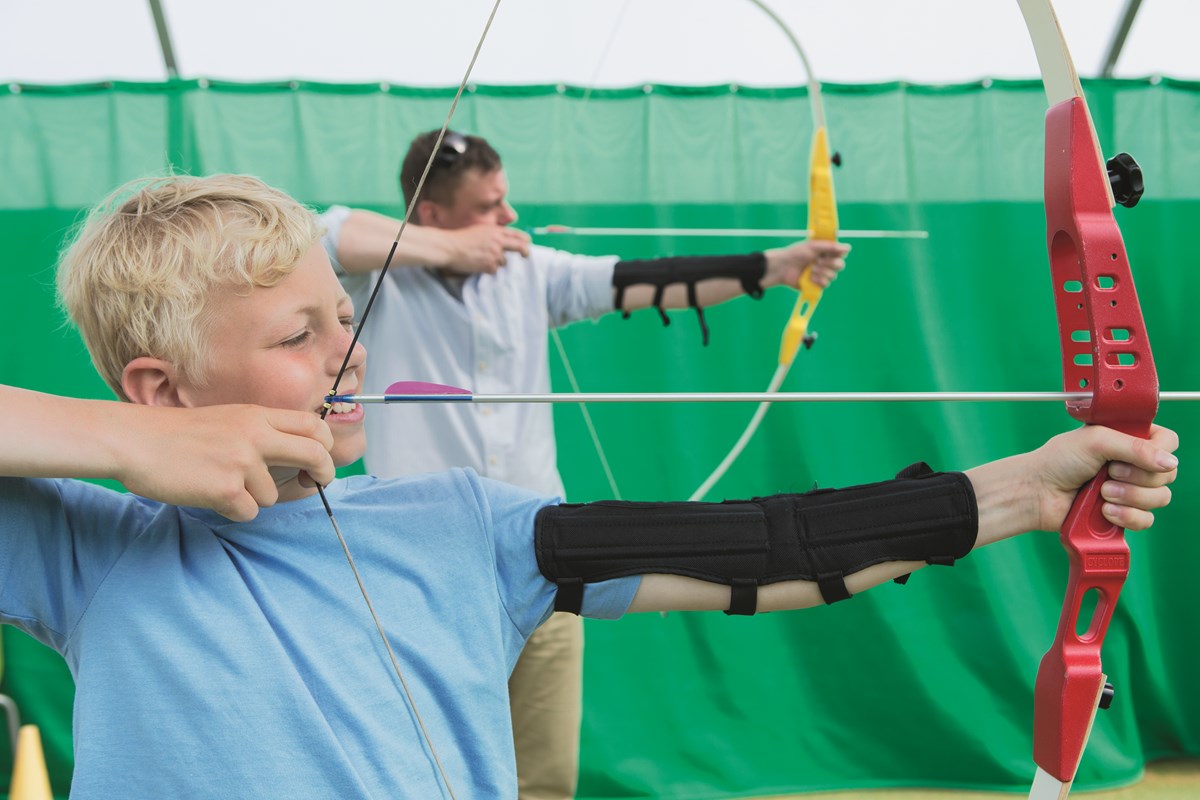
[30,780]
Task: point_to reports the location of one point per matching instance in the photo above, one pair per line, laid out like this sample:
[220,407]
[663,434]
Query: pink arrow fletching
[423,387]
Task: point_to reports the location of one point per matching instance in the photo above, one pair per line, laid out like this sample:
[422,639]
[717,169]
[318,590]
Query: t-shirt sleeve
[577,287]
[527,596]
[58,541]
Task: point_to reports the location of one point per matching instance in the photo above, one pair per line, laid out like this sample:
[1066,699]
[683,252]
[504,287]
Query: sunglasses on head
[453,146]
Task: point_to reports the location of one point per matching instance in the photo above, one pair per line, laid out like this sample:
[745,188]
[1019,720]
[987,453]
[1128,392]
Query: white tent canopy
[583,42]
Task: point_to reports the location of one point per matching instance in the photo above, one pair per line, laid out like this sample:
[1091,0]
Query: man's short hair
[138,275]
[457,155]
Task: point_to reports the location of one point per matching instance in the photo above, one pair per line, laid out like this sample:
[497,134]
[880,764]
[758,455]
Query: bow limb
[822,224]
[1105,351]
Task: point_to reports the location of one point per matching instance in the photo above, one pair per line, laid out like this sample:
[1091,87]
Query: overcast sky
[585,42]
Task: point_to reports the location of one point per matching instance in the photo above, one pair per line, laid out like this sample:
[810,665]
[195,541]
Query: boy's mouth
[343,408]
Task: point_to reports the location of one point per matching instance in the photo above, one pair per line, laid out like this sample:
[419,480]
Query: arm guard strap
[820,536]
[688,270]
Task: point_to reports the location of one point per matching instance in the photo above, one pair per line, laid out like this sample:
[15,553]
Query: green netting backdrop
[925,685]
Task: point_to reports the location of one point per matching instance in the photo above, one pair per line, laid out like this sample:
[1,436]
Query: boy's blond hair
[139,275]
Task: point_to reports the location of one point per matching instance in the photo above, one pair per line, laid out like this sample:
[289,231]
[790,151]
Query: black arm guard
[688,270]
[820,536]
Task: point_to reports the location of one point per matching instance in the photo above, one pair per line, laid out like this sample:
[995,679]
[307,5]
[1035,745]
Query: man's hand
[366,238]
[786,264]
[483,248]
[220,457]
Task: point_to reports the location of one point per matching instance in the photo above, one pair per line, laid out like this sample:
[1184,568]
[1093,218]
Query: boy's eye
[349,323]
[298,339]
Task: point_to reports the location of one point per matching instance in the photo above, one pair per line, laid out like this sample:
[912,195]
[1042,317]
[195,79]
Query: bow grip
[795,332]
[1105,350]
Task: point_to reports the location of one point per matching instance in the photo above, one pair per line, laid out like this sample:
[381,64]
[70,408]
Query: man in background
[469,302]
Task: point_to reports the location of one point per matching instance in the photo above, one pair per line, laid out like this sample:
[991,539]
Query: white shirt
[491,341]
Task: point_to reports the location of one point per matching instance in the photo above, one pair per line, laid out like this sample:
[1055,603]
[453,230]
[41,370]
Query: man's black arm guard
[688,270]
[820,536]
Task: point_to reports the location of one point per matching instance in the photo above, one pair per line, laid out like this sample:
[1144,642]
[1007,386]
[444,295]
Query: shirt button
[493,460]
[482,365]
[485,411]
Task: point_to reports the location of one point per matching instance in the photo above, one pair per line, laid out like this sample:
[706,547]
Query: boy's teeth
[342,408]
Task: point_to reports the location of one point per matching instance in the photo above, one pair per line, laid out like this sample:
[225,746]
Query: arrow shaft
[781,233]
[744,397]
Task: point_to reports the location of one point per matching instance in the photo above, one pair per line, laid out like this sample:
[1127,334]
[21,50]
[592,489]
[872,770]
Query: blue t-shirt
[227,660]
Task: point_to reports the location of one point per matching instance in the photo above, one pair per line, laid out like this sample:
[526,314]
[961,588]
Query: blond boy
[216,635]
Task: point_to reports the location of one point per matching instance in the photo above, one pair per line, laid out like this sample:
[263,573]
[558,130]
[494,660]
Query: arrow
[423,392]
[750,233]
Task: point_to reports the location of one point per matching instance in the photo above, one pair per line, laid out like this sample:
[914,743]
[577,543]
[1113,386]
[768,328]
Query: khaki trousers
[546,694]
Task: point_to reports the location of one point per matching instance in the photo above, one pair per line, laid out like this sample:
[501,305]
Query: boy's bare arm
[366,239]
[1027,492]
[216,457]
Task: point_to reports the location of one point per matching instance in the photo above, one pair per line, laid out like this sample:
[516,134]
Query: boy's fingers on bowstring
[304,442]
[241,503]
[278,444]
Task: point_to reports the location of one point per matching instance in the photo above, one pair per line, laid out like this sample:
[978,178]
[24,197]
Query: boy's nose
[358,355]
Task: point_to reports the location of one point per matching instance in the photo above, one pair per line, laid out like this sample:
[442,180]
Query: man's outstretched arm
[685,281]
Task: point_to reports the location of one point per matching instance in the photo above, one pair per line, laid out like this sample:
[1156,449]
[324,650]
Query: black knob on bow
[1106,696]
[1126,178]
[836,158]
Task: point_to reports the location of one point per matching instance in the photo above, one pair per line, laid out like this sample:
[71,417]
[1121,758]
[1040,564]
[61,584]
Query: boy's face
[281,346]
[480,199]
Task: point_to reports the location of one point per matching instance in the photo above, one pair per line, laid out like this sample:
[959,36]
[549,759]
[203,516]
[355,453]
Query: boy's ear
[151,382]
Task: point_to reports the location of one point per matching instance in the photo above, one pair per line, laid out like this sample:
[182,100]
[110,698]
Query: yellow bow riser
[823,224]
